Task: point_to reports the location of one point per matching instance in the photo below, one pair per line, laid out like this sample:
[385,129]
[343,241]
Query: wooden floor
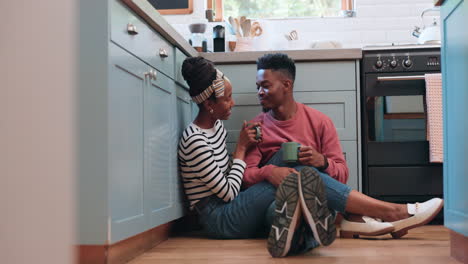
[427,244]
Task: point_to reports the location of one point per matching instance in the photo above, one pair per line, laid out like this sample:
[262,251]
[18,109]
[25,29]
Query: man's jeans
[337,196]
[251,213]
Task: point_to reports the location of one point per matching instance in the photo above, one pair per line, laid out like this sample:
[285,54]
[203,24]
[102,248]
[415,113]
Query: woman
[213,185]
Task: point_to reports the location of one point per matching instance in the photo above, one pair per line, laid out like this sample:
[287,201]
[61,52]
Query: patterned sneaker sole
[314,204]
[286,214]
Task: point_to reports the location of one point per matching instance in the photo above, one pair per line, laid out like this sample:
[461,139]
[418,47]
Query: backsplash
[376,22]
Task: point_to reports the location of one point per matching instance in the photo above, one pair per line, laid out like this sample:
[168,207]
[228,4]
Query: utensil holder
[244,44]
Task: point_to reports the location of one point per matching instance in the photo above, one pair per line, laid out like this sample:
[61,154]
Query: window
[285,8]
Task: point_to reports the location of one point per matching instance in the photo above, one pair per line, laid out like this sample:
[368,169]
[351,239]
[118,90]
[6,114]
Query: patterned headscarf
[217,87]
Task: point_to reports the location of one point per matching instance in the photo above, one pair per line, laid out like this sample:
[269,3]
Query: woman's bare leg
[361,204]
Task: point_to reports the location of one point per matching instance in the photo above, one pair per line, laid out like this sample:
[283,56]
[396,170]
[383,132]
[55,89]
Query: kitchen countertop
[296,55]
[145,10]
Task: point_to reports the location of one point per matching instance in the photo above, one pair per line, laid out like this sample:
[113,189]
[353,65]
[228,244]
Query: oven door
[395,119]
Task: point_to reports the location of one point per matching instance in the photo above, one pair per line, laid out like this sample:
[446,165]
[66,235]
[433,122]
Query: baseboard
[91,254]
[125,250]
[459,246]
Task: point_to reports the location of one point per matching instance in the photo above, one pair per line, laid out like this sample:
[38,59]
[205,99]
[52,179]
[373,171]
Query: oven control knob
[407,63]
[378,64]
[393,63]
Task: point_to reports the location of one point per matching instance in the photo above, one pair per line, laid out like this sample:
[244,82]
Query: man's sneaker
[286,214]
[315,208]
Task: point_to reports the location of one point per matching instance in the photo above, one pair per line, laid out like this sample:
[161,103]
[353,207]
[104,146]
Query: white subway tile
[400,36]
[376,22]
[373,36]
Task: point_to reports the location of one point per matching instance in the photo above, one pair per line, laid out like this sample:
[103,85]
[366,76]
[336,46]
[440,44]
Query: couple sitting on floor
[296,203]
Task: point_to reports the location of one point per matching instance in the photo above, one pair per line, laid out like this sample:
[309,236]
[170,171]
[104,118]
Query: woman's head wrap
[216,87]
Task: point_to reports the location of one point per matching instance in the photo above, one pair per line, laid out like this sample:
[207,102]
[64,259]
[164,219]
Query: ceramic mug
[290,151]
[258,131]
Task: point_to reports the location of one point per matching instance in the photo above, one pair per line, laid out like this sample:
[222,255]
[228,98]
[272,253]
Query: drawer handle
[163,53]
[131,29]
[152,74]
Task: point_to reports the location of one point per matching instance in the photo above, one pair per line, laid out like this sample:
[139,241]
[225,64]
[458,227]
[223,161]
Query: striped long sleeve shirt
[205,166]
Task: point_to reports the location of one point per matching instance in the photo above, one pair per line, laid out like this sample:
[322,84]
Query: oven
[395,151]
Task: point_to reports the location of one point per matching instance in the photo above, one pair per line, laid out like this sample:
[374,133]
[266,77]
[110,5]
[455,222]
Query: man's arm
[253,174]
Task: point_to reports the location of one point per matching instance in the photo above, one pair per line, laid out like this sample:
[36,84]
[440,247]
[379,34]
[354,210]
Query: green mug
[290,151]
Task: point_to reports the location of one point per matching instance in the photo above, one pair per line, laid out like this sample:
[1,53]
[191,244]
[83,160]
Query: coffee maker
[197,39]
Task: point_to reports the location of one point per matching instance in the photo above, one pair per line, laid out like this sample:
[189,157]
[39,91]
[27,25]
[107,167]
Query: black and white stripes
[205,167]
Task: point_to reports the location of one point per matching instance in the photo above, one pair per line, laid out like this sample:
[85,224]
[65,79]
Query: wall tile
[376,22]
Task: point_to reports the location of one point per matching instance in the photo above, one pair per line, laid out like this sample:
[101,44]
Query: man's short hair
[278,62]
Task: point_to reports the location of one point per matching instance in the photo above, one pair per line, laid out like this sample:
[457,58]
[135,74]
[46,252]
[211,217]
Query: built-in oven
[395,150]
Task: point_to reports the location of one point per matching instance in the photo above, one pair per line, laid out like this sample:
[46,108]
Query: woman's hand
[246,139]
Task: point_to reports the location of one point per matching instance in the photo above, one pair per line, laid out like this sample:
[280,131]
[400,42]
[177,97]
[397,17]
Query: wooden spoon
[246,27]
[237,27]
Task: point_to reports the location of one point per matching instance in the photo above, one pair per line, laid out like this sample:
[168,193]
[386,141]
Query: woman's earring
[211,111]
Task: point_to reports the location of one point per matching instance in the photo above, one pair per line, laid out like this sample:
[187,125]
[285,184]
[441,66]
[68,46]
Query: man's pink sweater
[309,127]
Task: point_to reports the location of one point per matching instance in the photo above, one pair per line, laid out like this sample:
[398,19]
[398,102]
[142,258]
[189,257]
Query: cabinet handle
[152,74]
[131,29]
[163,53]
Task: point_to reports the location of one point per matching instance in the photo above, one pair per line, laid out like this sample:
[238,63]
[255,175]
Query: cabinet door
[126,84]
[184,118]
[454,16]
[160,141]
[351,155]
[184,110]
[339,106]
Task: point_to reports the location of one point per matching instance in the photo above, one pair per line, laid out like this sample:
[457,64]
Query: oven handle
[400,78]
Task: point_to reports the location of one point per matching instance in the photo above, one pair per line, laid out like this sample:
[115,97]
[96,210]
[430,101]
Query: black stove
[395,151]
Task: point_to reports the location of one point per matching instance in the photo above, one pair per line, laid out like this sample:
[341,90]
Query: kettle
[430,34]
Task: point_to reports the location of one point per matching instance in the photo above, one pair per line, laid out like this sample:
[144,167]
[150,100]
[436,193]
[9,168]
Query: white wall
[376,22]
[37,152]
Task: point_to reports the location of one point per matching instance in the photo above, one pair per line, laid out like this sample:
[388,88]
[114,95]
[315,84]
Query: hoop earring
[211,111]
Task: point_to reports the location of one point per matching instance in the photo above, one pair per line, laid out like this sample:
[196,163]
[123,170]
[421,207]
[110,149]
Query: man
[287,120]
[319,185]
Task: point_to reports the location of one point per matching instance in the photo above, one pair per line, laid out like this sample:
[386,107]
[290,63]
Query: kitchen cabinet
[143,179]
[133,104]
[162,192]
[317,86]
[454,53]
[127,83]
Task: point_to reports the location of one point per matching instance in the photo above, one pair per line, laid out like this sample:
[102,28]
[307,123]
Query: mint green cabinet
[126,178]
[127,125]
[454,17]
[162,195]
[144,184]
